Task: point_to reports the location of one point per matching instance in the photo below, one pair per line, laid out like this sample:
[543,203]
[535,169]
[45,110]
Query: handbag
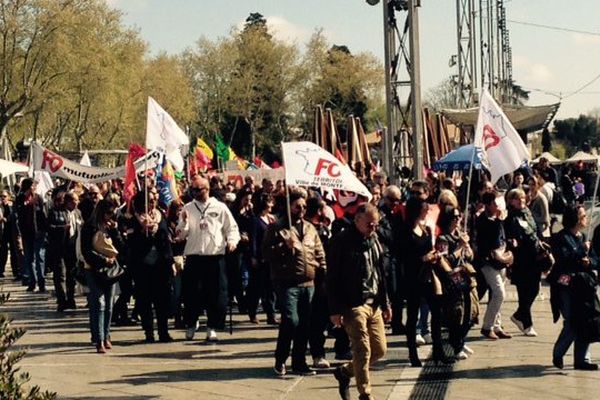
[110,274]
[544,259]
[103,245]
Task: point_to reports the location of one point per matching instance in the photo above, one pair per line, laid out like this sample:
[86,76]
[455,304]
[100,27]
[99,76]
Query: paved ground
[61,359]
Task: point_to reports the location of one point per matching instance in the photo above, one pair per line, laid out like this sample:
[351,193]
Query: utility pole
[417,109]
[402,143]
[391,128]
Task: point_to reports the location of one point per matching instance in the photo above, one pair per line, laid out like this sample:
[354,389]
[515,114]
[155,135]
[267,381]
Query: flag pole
[589,233]
[466,218]
[287,190]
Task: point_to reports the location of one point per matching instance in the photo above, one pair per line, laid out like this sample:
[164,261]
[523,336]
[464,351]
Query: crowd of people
[406,258]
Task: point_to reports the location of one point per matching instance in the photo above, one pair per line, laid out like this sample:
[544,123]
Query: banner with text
[307,164]
[237,177]
[58,166]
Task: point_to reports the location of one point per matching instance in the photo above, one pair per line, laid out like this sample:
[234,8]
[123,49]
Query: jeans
[34,260]
[423,324]
[100,299]
[205,284]
[567,335]
[295,307]
[495,280]
[364,325]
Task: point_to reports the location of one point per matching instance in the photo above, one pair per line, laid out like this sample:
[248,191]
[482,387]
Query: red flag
[135,151]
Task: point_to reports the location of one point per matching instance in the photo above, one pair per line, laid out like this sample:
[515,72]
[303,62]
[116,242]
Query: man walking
[295,255]
[210,230]
[356,290]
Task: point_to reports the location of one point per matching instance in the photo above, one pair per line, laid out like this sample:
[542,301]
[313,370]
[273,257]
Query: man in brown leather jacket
[294,255]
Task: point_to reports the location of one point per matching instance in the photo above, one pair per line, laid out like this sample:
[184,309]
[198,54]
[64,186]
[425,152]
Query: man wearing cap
[211,230]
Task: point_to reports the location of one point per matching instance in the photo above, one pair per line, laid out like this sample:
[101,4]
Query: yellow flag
[205,148]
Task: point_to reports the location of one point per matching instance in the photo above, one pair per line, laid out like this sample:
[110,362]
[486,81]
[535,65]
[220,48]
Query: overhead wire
[554,28]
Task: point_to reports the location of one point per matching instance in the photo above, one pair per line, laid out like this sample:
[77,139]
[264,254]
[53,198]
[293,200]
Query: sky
[551,63]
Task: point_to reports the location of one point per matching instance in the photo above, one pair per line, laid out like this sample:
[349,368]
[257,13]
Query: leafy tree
[578,132]
[337,79]
[264,75]
[12,381]
[441,96]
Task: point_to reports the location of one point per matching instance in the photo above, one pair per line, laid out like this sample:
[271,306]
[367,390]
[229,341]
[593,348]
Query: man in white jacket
[210,230]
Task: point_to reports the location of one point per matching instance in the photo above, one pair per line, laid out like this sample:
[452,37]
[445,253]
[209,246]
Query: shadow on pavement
[207,375]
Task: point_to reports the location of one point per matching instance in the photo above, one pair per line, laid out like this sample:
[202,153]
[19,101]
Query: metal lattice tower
[402,85]
[466,81]
[506,76]
[484,42]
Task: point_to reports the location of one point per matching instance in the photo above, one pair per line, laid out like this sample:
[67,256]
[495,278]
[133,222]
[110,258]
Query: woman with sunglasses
[419,257]
[454,245]
[521,234]
[101,294]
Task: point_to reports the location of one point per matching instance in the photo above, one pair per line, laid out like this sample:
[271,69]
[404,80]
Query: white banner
[58,166]
[503,148]
[307,164]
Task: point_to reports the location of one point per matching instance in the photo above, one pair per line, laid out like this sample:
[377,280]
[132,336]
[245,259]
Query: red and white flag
[502,147]
[307,164]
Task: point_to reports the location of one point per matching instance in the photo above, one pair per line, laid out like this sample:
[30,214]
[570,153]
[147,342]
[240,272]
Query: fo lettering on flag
[502,147]
[307,164]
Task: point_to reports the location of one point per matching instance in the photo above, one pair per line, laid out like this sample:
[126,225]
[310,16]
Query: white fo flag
[85,160]
[502,147]
[307,164]
[164,135]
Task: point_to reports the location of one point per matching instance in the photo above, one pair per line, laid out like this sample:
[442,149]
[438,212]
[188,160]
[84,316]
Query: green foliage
[80,78]
[581,133]
[12,380]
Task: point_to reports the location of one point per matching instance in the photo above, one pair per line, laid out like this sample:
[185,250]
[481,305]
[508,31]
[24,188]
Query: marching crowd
[406,258]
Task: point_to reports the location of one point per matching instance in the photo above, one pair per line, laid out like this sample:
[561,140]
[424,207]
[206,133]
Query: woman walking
[100,245]
[521,235]
[455,245]
[420,256]
[151,263]
[574,260]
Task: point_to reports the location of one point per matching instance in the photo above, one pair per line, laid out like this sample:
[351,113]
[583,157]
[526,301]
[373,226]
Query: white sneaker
[420,340]
[530,332]
[428,339]
[211,335]
[461,355]
[320,363]
[468,350]
[189,333]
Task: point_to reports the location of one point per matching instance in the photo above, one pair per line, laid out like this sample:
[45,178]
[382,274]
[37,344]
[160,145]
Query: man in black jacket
[357,296]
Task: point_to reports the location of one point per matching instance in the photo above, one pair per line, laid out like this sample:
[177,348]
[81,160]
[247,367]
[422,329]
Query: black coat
[140,244]
[346,269]
[585,307]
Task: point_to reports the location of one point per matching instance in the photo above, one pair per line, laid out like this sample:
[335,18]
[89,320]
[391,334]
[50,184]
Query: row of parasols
[460,159]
